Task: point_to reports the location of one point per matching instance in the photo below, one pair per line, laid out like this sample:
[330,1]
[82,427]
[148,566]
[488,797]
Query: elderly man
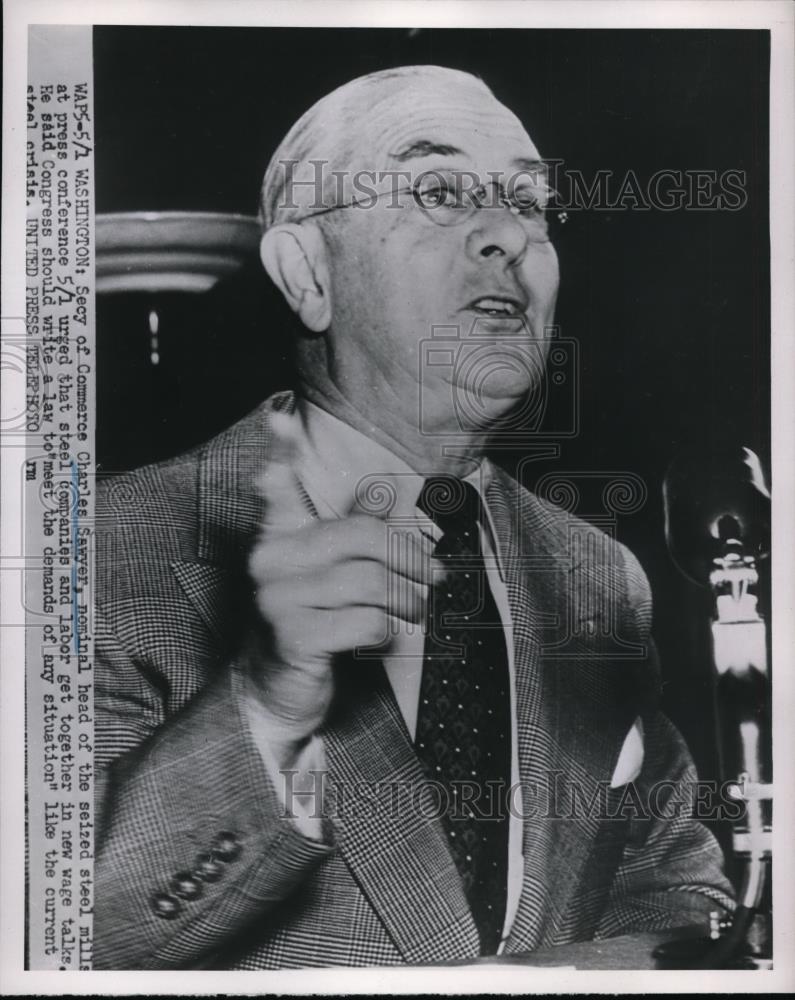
[362,699]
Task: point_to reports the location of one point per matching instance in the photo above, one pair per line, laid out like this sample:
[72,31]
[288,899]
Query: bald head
[361,127]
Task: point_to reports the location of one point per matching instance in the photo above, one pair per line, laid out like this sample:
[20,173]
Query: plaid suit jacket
[178,764]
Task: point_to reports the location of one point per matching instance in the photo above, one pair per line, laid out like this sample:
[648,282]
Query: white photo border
[777,17]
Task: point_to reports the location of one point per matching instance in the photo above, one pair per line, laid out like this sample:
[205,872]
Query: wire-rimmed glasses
[450,198]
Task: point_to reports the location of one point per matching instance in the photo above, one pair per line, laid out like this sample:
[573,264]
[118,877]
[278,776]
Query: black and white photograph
[399,441]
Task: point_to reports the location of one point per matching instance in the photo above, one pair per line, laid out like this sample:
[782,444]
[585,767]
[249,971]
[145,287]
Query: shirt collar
[340,466]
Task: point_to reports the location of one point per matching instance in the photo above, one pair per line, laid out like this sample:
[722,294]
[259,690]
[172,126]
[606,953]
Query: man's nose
[497,232]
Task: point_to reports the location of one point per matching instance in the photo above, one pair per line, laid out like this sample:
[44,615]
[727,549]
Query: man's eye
[531,201]
[437,195]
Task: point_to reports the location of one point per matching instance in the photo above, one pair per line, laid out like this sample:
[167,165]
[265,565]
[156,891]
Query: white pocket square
[630,760]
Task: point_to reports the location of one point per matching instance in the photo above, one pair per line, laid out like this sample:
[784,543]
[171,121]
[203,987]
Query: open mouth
[497,305]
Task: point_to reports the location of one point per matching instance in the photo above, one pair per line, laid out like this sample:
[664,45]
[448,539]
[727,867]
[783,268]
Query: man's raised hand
[322,587]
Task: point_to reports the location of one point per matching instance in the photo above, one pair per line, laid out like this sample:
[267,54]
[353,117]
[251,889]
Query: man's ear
[296,259]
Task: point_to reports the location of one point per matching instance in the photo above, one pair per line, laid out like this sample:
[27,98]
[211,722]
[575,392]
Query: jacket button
[165,906]
[186,885]
[208,868]
[226,847]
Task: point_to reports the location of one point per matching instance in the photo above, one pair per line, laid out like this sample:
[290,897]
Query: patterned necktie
[463,733]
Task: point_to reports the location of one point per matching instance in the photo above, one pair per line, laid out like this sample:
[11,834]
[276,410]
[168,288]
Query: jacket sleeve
[671,872]
[193,843]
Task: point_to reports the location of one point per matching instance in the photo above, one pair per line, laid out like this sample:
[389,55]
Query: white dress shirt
[341,468]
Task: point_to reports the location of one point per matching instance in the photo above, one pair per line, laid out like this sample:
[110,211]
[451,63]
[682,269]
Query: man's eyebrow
[528,163]
[425,147]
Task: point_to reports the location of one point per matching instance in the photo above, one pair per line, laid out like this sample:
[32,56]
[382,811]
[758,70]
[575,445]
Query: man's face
[397,274]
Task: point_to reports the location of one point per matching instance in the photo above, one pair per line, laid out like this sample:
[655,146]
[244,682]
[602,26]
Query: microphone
[717,504]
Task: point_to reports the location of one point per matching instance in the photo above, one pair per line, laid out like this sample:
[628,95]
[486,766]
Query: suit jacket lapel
[229,512]
[384,811]
[205,586]
[569,727]
[230,508]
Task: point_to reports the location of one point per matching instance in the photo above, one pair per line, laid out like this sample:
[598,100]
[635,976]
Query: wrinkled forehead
[413,123]
[393,128]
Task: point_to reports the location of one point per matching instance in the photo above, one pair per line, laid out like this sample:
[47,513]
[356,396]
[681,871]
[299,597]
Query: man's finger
[332,543]
[278,485]
[409,547]
[365,583]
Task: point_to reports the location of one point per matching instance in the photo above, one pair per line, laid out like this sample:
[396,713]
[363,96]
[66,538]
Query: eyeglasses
[446,200]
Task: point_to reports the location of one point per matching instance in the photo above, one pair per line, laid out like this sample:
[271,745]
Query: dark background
[670,309]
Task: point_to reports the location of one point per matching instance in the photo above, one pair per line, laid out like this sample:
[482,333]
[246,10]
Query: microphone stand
[743,706]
